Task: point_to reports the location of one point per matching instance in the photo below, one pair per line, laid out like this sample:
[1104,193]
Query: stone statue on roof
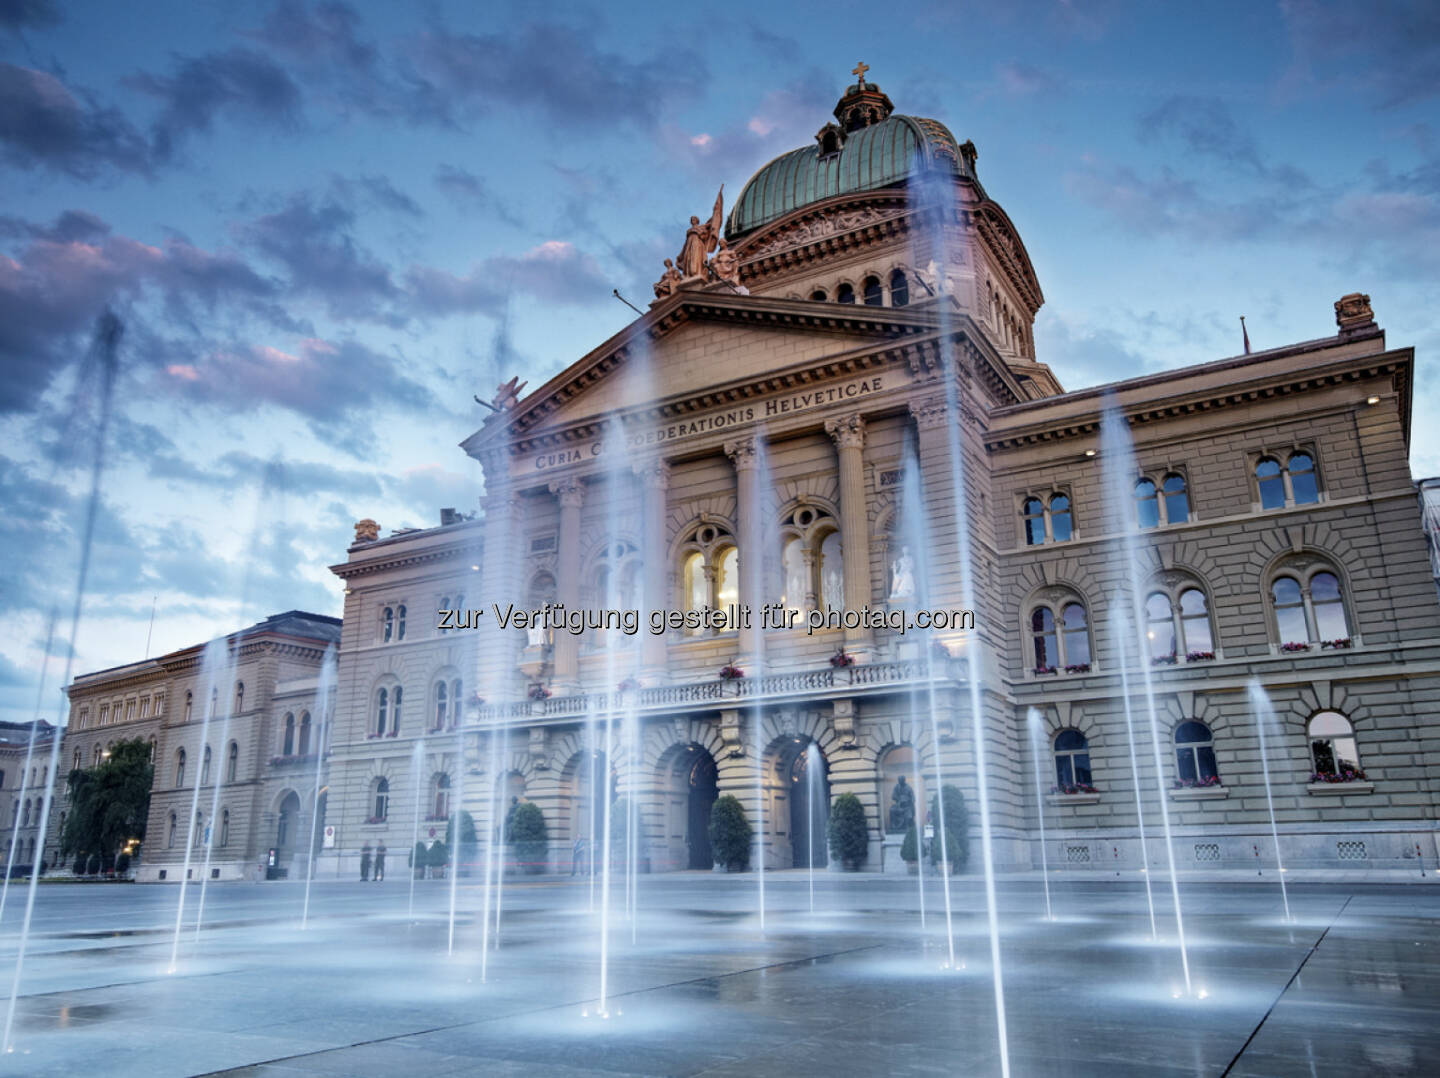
[669,280]
[726,265]
[507,395]
[700,240]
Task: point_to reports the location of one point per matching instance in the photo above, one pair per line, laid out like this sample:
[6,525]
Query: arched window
[1332,747]
[1177,501]
[1072,760]
[288,748]
[224,827]
[873,293]
[1033,513]
[400,622]
[1177,625]
[95,758]
[305,733]
[812,560]
[442,704]
[75,766]
[1045,640]
[232,763]
[189,705]
[457,695]
[214,702]
[239,697]
[382,711]
[819,295]
[442,795]
[1075,635]
[1195,755]
[1304,490]
[170,841]
[205,767]
[179,766]
[197,835]
[845,294]
[1329,608]
[1310,608]
[381,799]
[831,569]
[1294,484]
[387,625]
[1147,507]
[1061,640]
[25,820]
[1060,519]
[1289,611]
[899,289]
[395,710]
[710,574]
[444,605]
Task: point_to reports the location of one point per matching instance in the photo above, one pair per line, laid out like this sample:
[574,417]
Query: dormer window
[831,140]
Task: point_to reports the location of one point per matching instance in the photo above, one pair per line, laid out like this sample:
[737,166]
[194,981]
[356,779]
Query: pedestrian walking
[364,862]
[380,863]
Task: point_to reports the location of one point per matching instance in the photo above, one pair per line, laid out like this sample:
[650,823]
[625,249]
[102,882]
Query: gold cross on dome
[860,70]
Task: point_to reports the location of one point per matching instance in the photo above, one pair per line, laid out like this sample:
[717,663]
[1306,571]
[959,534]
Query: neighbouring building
[791,423]
[261,745]
[24,773]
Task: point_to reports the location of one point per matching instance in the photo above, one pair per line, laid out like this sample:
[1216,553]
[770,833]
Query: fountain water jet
[1118,462]
[937,214]
[104,350]
[912,528]
[207,835]
[324,691]
[1121,632]
[813,765]
[1036,722]
[417,763]
[1264,714]
[752,568]
[30,747]
[456,819]
[215,667]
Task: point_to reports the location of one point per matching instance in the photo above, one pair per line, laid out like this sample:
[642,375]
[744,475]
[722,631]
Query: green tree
[530,836]
[957,829]
[849,835]
[730,833]
[468,852]
[109,803]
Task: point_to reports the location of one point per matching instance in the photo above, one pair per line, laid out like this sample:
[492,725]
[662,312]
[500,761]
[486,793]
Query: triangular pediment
[693,347]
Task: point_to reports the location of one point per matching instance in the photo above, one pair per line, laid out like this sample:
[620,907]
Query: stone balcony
[718,695]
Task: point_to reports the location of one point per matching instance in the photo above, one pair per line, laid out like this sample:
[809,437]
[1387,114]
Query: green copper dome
[866,158]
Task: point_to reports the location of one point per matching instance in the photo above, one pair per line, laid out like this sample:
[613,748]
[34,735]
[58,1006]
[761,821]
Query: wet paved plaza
[1351,987]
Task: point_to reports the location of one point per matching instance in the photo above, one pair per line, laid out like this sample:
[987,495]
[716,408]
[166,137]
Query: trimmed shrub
[122,862]
[957,829]
[469,845]
[730,833]
[910,848]
[419,858]
[92,864]
[79,866]
[848,833]
[438,856]
[530,836]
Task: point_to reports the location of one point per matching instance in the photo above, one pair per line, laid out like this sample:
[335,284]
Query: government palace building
[835,378]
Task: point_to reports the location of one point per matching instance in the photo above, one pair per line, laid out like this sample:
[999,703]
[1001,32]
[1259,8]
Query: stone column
[749,499]
[571,493]
[655,477]
[938,510]
[848,433]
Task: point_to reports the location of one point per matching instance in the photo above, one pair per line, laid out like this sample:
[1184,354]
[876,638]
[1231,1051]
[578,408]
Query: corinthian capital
[569,491]
[741,452]
[929,413]
[847,431]
[654,473]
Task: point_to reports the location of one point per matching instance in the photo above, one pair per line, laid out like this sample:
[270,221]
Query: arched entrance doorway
[805,774]
[286,822]
[701,790]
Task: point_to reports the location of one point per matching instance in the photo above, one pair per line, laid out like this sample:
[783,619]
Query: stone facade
[263,674]
[24,769]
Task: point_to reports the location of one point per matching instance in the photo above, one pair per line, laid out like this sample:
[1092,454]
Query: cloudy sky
[327,225]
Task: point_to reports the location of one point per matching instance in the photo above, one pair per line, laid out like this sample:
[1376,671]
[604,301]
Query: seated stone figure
[902,807]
